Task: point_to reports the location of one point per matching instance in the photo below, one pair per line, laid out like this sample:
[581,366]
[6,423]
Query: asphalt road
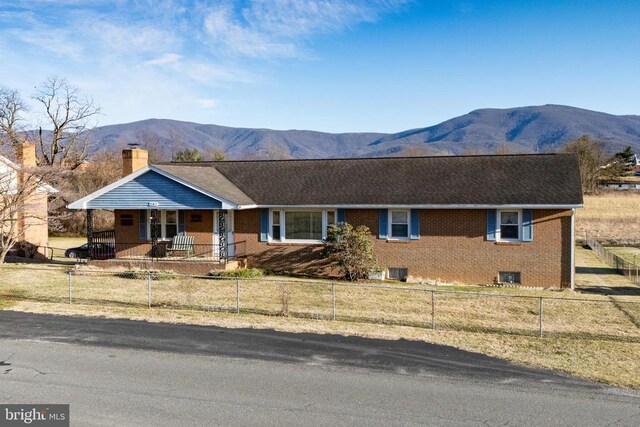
[119,372]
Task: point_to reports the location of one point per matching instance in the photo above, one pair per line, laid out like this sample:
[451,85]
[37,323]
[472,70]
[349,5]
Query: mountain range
[524,129]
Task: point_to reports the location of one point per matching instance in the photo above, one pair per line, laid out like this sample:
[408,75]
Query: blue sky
[327,65]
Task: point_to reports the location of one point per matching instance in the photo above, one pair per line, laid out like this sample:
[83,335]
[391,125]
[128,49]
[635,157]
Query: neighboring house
[470,219]
[619,185]
[32,219]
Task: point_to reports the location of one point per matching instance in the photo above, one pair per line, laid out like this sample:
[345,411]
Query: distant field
[610,215]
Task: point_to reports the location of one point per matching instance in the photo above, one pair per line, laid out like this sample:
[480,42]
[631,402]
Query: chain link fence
[622,266]
[406,305]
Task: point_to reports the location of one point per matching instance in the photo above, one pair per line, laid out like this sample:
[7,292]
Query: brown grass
[592,272]
[610,215]
[631,255]
[592,337]
[492,309]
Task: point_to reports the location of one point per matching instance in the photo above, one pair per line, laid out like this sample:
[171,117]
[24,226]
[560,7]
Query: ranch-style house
[469,219]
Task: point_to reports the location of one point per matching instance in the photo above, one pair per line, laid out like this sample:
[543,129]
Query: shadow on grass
[613,290]
[596,270]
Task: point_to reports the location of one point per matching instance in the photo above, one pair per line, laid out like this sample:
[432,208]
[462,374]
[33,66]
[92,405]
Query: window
[300,225]
[509,277]
[331,218]
[303,225]
[170,224]
[275,228]
[510,225]
[399,224]
[167,224]
[126,219]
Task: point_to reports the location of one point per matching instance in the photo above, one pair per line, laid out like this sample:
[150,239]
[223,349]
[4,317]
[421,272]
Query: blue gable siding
[152,187]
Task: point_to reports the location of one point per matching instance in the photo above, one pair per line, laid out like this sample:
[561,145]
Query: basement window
[396,273]
[509,277]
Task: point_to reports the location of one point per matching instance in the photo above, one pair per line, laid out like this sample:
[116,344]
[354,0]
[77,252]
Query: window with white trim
[509,225]
[167,224]
[300,225]
[399,224]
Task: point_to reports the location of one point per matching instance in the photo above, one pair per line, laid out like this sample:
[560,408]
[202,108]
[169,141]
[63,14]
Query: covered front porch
[166,235]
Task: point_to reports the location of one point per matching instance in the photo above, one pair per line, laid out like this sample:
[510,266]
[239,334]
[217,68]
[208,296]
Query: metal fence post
[149,288]
[238,296]
[541,315]
[433,310]
[69,283]
[333,299]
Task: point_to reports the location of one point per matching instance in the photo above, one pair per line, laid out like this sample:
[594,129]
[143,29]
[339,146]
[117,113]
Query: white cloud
[141,58]
[167,58]
[279,28]
[207,102]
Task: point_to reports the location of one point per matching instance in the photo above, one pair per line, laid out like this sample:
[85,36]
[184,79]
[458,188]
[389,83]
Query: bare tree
[158,151]
[12,109]
[213,154]
[69,116]
[591,159]
[506,148]
[423,150]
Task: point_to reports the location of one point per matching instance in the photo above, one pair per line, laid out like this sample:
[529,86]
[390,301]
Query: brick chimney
[32,214]
[133,159]
[26,155]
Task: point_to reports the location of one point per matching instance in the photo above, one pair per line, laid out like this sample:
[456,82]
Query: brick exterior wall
[133,159]
[452,248]
[129,244]
[285,257]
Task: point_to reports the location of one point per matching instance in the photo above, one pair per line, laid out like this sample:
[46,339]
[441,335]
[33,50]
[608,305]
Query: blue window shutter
[527,225]
[264,225]
[415,224]
[342,216]
[491,224]
[383,226]
[142,226]
[181,226]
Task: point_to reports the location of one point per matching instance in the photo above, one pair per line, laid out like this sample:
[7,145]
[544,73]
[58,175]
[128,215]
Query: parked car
[99,251]
[637,173]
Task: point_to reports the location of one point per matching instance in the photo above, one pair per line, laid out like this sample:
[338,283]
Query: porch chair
[182,243]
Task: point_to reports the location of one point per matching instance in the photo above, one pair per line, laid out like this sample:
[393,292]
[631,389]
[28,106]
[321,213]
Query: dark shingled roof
[535,179]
